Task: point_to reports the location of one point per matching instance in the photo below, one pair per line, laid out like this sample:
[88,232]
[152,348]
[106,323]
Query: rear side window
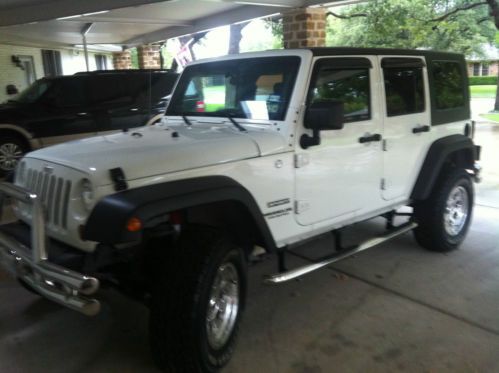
[109,90]
[404,90]
[350,86]
[449,85]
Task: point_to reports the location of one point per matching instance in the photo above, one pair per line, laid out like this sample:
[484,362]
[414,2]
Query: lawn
[483,91]
[492,116]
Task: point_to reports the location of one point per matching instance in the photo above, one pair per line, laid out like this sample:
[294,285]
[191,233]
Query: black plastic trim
[398,62]
[435,159]
[108,219]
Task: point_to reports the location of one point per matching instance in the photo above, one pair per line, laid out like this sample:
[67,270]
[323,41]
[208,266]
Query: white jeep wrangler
[256,151]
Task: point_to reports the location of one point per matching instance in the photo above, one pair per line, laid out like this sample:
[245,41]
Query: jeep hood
[161,149]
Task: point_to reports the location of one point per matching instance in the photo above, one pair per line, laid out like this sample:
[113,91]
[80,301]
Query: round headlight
[87,193]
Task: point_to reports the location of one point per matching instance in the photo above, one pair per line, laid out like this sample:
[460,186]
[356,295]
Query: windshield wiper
[186,120]
[237,125]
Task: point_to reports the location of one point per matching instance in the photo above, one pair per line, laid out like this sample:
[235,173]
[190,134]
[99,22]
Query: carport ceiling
[126,22]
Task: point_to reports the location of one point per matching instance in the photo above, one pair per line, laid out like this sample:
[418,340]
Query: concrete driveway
[394,308]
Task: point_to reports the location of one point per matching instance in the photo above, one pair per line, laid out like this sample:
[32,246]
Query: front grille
[54,192]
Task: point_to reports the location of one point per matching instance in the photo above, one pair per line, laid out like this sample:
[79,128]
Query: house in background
[22,65]
[487,65]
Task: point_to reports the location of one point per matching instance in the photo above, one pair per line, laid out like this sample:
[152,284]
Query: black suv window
[68,92]
[449,85]
[109,89]
[404,90]
[350,86]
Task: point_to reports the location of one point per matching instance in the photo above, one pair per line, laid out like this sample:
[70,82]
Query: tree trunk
[235,37]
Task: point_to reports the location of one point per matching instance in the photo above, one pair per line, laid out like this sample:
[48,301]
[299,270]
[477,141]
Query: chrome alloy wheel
[456,211]
[223,305]
[10,154]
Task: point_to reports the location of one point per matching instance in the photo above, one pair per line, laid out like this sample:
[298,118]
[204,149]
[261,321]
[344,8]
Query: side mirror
[322,116]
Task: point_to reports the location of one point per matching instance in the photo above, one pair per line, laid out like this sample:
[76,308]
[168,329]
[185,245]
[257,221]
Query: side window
[68,92]
[108,90]
[404,90]
[350,86]
[448,85]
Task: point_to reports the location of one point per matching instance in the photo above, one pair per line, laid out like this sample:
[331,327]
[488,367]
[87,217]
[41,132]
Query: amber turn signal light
[134,224]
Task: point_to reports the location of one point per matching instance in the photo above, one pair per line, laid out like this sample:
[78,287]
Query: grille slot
[54,193]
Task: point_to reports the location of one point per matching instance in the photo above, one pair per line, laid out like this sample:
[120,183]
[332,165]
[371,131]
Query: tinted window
[448,85]
[243,88]
[350,86]
[109,90]
[404,90]
[68,92]
[34,91]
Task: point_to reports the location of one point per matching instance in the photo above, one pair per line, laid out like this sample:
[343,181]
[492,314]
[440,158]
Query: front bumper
[30,264]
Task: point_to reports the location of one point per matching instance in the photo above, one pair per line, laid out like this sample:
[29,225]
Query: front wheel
[12,149]
[197,303]
[444,218]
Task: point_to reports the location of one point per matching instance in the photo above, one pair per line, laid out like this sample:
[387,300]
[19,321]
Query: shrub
[483,80]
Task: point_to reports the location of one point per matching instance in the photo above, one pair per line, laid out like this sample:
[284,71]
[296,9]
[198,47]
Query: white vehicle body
[334,184]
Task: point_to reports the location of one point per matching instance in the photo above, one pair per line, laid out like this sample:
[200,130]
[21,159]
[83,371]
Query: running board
[298,272]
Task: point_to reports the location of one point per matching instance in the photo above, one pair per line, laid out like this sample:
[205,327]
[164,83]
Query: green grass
[492,116]
[483,91]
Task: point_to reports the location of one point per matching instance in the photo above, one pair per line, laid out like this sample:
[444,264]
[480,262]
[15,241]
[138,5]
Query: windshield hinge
[383,184]
[301,160]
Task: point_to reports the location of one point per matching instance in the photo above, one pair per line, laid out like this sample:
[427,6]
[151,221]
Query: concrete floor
[394,308]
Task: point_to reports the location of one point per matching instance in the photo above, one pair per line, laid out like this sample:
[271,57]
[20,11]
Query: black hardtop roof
[338,51]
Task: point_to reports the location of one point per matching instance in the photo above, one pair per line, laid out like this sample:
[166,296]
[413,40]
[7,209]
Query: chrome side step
[298,272]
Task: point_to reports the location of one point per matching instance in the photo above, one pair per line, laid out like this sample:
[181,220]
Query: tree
[452,25]
[235,37]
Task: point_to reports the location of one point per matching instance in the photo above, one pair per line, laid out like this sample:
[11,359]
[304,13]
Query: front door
[341,177]
[406,124]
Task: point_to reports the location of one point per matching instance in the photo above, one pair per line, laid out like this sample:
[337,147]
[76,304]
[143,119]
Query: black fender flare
[437,155]
[107,221]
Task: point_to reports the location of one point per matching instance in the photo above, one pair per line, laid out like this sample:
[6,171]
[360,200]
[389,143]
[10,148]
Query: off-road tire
[431,232]
[179,304]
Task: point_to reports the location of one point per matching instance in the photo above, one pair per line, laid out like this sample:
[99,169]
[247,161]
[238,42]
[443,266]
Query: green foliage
[413,24]
[134,57]
[275,27]
[483,80]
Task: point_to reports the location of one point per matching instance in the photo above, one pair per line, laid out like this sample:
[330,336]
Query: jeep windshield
[256,88]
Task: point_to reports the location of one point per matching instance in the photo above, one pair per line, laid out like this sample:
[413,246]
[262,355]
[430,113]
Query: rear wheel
[197,303]
[444,218]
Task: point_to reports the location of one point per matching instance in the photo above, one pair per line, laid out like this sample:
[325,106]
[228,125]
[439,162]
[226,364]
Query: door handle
[420,129]
[369,138]
[134,109]
[81,114]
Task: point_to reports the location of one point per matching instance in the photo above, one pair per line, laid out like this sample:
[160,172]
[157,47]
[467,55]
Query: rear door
[406,123]
[340,177]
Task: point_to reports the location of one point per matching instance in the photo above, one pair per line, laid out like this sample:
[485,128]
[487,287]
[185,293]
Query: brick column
[122,60]
[304,27]
[149,56]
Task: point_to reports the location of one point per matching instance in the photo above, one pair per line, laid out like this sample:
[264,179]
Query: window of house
[448,85]
[485,69]
[404,90]
[101,62]
[350,86]
[476,69]
[52,63]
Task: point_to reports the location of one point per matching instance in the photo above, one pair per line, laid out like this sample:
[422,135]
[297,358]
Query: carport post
[84,32]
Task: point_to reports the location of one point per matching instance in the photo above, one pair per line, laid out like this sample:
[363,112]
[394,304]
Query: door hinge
[301,160]
[383,184]
[301,206]
[383,145]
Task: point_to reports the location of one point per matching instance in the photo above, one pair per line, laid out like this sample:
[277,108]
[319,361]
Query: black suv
[59,109]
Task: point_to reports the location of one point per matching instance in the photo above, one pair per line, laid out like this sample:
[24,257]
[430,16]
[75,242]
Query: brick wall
[122,60]
[149,56]
[493,68]
[304,27]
